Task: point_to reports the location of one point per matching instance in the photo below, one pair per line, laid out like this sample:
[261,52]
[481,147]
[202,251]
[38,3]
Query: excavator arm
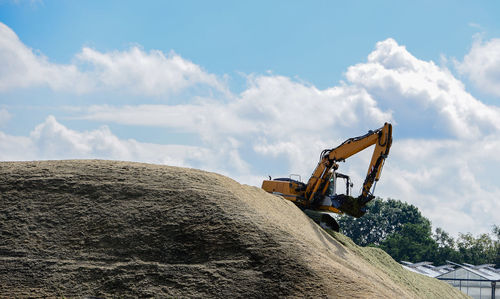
[318,184]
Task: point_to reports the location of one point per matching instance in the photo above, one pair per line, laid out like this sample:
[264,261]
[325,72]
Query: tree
[446,248]
[443,239]
[412,243]
[400,229]
[496,233]
[382,219]
[480,250]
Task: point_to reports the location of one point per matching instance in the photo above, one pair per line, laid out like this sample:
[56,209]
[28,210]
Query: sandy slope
[102,228]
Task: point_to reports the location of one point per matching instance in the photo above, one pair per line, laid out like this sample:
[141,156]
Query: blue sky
[249,89]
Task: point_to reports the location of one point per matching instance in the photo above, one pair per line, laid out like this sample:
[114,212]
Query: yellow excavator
[318,198]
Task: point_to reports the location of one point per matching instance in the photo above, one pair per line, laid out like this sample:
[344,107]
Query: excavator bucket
[353,206]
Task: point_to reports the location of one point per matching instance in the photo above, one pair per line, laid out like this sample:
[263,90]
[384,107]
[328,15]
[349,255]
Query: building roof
[426,268]
[486,272]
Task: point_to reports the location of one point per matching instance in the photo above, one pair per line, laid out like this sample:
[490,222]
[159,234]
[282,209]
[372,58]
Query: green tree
[412,243]
[400,229]
[496,234]
[446,248]
[480,250]
[383,218]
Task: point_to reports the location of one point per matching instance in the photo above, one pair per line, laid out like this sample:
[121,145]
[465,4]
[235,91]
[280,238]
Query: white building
[479,282]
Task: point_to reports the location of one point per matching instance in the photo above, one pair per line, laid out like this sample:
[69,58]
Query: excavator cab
[292,188]
[333,190]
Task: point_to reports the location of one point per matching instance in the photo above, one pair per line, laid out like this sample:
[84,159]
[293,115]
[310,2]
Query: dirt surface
[120,229]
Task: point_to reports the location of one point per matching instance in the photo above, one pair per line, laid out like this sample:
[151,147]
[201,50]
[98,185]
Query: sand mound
[101,228]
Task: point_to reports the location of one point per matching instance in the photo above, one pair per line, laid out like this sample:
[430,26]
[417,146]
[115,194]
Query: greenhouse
[479,282]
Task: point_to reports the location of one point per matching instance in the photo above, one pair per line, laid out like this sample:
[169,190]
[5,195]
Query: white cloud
[52,140]
[151,73]
[475,25]
[451,181]
[147,73]
[275,115]
[16,148]
[4,116]
[421,94]
[22,68]
[482,65]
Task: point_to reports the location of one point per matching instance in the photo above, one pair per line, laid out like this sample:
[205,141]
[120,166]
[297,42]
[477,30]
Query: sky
[256,88]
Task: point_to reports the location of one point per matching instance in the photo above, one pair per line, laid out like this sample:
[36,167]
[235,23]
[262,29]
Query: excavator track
[323,219]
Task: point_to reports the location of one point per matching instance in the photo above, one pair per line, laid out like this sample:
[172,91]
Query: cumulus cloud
[449,171]
[52,140]
[451,181]
[147,73]
[422,95]
[273,116]
[482,65]
[21,67]
[264,107]
[4,116]
[152,73]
